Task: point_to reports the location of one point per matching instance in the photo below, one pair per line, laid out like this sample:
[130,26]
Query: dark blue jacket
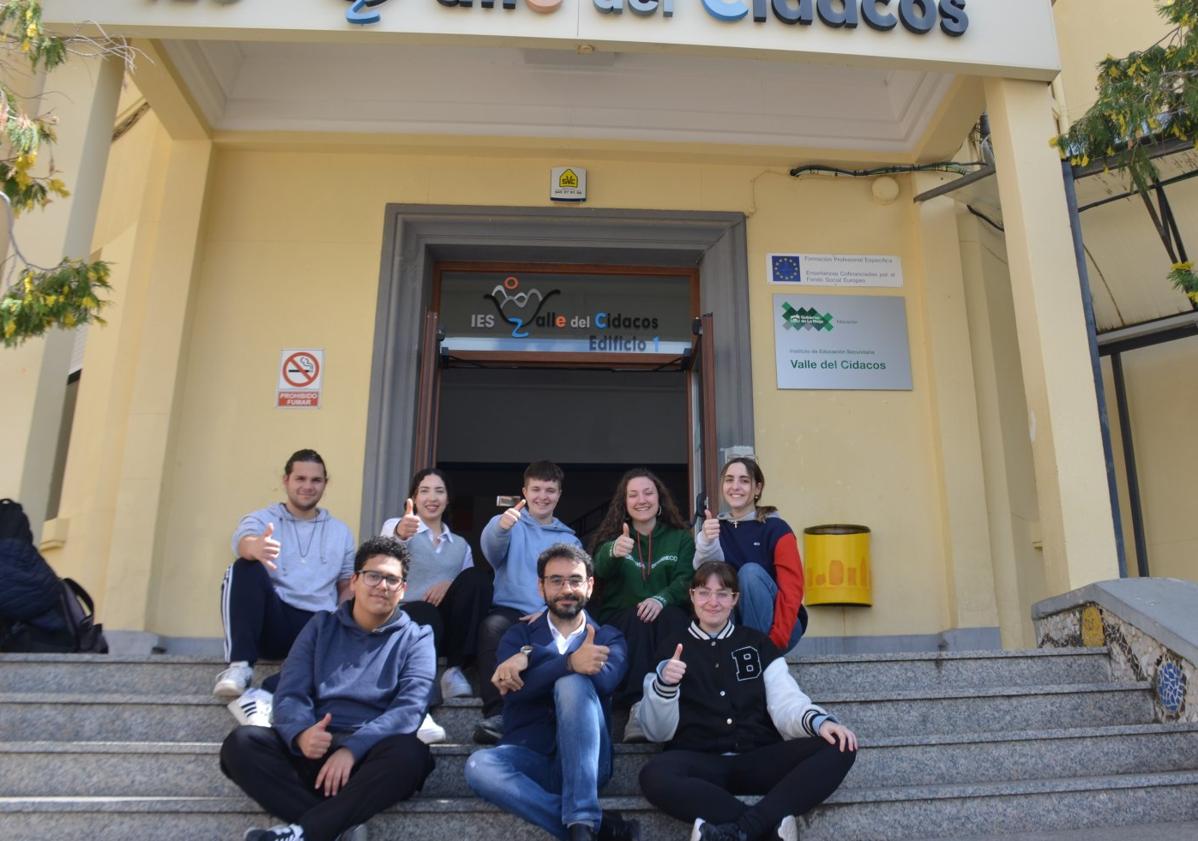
[29,589]
[529,717]
[375,683]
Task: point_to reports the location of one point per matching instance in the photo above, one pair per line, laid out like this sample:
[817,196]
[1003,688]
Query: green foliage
[1142,98]
[1145,98]
[66,296]
[40,298]
[1183,277]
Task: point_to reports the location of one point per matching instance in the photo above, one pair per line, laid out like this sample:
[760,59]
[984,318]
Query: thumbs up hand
[674,669]
[510,517]
[408,523]
[316,740]
[622,547]
[265,549]
[711,526]
[589,658]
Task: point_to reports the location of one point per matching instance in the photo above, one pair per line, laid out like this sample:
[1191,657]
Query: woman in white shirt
[444,588]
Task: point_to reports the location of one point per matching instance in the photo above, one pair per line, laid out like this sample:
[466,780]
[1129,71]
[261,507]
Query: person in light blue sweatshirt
[353,692]
[512,542]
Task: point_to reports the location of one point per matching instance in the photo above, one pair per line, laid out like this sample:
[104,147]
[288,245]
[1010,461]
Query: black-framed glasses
[557,582]
[374,579]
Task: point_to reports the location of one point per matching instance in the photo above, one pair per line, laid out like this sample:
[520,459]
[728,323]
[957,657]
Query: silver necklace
[299,546]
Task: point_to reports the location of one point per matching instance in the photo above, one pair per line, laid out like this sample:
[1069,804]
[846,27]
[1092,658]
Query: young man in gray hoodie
[352,694]
[293,559]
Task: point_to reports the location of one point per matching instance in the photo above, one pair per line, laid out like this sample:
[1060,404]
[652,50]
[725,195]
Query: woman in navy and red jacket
[764,551]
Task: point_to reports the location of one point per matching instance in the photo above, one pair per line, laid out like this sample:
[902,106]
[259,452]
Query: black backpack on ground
[38,611]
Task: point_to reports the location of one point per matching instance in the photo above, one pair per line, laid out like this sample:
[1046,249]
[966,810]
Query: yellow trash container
[836,560]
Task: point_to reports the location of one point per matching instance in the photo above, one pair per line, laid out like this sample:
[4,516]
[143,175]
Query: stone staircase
[952,746]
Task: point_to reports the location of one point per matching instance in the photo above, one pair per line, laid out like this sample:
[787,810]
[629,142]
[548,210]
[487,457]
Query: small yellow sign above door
[568,183]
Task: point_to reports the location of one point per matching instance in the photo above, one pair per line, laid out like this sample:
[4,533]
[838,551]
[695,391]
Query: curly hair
[388,547]
[617,511]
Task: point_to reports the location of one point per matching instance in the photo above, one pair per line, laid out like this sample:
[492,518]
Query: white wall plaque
[835,270]
[849,342]
[568,183]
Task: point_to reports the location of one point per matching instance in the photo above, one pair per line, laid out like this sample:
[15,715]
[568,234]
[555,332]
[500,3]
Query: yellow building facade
[298,181]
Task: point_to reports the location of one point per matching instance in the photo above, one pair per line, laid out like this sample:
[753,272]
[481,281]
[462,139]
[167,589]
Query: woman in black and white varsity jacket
[735,722]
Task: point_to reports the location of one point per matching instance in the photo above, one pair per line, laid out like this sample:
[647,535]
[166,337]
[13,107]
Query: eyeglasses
[557,582]
[374,579]
[705,595]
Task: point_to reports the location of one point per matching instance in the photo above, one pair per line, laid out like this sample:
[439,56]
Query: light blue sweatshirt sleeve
[495,542]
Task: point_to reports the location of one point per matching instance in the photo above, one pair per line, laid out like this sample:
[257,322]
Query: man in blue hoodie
[512,542]
[353,691]
[557,677]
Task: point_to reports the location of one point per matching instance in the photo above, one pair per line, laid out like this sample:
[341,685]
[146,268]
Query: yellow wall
[1090,30]
[291,258]
[1011,501]
[1162,403]
[1128,258]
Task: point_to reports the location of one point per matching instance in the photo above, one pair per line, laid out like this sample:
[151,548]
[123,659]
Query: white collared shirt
[563,642]
[446,537]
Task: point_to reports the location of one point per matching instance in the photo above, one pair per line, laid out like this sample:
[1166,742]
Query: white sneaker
[430,732]
[697,832]
[788,829]
[454,684]
[233,681]
[253,708]
[633,731]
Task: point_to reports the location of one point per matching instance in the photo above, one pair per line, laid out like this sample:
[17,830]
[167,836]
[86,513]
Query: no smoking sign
[301,372]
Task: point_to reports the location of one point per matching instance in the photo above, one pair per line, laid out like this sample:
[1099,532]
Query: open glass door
[428,398]
[703,456]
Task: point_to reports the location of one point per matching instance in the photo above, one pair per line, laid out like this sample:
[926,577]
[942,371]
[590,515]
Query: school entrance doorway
[424,361]
[596,368]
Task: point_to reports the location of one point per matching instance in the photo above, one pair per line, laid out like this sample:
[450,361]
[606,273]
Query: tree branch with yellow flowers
[1145,99]
[33,298]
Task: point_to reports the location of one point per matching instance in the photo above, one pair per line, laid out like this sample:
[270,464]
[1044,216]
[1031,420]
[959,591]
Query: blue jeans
[756,608]
[560,789]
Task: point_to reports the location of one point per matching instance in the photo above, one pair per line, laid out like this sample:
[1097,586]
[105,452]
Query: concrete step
[173,675]
[173,769]
[960,670]
[883,814]
[1039,754]
[1131,832]
[200,718]
[947,811]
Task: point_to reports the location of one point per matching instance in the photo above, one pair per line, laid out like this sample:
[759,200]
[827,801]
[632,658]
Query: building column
[956,429]
[1076,525]
[112,498]
[83,93]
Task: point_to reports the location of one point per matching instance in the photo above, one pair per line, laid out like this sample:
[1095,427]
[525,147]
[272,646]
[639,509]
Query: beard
[569,611]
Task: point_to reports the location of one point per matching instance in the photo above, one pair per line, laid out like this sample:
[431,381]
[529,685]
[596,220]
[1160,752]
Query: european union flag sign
[784,268]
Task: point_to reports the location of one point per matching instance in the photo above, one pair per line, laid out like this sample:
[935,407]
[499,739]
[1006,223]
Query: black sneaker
[614,827]
[282,832]
[489,731]
[705,831]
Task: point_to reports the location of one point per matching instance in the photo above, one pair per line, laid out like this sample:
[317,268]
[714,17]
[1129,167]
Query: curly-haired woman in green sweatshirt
[643,552]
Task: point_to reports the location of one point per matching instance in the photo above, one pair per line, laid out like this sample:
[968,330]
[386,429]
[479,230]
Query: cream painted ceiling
[494,91]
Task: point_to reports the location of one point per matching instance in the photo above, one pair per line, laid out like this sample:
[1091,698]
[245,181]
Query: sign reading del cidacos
[917,16]
[547,312]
